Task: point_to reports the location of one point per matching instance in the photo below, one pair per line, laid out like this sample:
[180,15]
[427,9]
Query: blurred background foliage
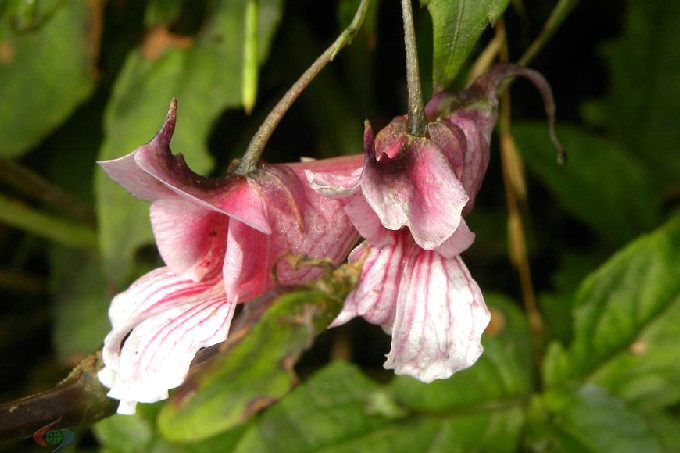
[87,80]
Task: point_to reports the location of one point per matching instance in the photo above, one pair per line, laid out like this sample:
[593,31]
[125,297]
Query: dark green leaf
[81,302]
[254,372]
[626,328]
[643,104]
[205,75]
[162,11]
[340,410]
[588,421]
[457,25]
[601,184]
[138,434]
[46,69]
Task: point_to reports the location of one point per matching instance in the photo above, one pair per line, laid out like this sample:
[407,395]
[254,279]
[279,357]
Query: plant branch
[417,123]
[53,228]
[255,148]
[38,188]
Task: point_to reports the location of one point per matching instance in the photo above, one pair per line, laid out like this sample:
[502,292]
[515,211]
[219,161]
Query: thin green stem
[559,13]
[417,123]
[252,155]
[38,188]
[53,228]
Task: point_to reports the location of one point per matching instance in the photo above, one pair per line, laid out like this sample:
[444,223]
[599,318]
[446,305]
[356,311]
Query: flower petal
[159,324]
[418,190]
[376,295]
[439,320]
[190,239]
[335,184]
[459,241]
[477,126]
[366,221]
[247,262]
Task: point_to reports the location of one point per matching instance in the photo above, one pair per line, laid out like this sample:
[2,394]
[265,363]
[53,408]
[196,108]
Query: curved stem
[252,155]
[417,123]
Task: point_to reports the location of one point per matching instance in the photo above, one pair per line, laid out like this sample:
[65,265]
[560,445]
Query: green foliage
[46,69]
[590,420]
[641,107]
[626,329]
[602,378]
[458,25]
[602,184]
[81,302]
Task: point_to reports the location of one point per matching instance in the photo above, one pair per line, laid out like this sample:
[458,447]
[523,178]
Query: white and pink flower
[220,239]
[408,201]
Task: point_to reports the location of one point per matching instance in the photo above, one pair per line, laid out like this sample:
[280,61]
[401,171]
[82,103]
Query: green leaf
[205,75]
[138,434]
[625,324]
[253,373]
[46,70]
[602,184]
[81,302]
[340,410]
[643,103]
[457,25]
[589,421]
[333,413]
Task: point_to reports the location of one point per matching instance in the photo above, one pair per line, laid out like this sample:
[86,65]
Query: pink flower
[408,201]
[220,239]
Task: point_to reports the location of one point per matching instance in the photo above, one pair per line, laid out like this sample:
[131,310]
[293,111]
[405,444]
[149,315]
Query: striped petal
[159,324]
[376,294]
[440,317]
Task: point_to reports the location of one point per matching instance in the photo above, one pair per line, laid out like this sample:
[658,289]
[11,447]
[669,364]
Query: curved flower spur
[408,201]
[220,238]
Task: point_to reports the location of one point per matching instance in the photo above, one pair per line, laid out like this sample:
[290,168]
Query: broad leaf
[81,302]
[602,184]
[643,103]
[340,410]
[457,25]
[588,421]
[205,75]
[626,324]
[47,68]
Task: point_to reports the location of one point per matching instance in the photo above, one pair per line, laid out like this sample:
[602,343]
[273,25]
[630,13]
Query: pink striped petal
[159,324]
[190,239]
[440,317]
[376,294]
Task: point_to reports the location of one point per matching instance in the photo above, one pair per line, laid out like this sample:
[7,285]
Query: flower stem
[417,123]
[252,155]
